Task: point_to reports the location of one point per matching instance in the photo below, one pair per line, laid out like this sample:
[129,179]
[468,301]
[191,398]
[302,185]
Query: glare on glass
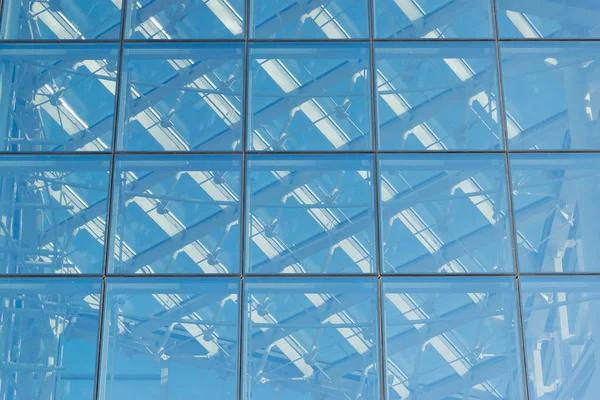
[452,338]
[57,97]
[308,338]
[49,338]
[310,214]
[184,19]
[437,96]
[170,338]
[560,323]
[444,213]
[300,19]
[433,19]
[181,97]
[542,19]
[61,19]
[549,95]
[176,214]
[557,211]
[53,214]
[309,97]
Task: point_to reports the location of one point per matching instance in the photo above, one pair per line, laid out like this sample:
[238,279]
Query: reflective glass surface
[49,338]
[310,214]
[184,19]
[556,211]
[311,337]
[168,338]
[433,19]
[316,19]
[437,96]
[560,321]
[550,96]
[61,19]
[182,97]
[53,214]
[57,97]
[309,97]
[174,214]
[444,214]
[451,338]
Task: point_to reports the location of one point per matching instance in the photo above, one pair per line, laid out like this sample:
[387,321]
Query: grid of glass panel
[299,199]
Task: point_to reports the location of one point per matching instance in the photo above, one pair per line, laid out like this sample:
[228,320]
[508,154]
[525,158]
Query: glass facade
[299,199]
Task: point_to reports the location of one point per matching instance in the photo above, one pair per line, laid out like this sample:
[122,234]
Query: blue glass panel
[57,97]
[452,338]
[557,211]
[433,19]
[537,19]
[307,338]
[49,338]
[176,214]
[181,97]
[60,19]
[316,19]
[444,213]
[170,338]
[437,96]
[310,214]
[561,326]
[185,19]
[52,214]
[549,95]
[309,97]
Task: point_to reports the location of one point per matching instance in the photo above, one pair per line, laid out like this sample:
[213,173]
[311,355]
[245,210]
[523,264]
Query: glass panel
[537,19]
[310,214]
[185,19]
[182,97]
[57,19]
[309,97]
[52,214]
[444,213]
[437,96]
[549,93]
[57,97]
[557,211]
[49,338]
[561,326]
[176,214]
[452,338]
[301,19]
[307,338]
[167,338]
[433,19]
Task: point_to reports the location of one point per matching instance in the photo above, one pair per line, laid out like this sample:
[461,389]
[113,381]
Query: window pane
[437,96]
[168,20]
[53,213]
[444,213]
[556,211]
[433,19]
[56,19]
[307,337]
[49,338]
[560,321]
[452,338]
[167,338]
[176,214]
[293,19]
[550,103]
[310,214]
[309,97]
[548,19]
[182,97]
